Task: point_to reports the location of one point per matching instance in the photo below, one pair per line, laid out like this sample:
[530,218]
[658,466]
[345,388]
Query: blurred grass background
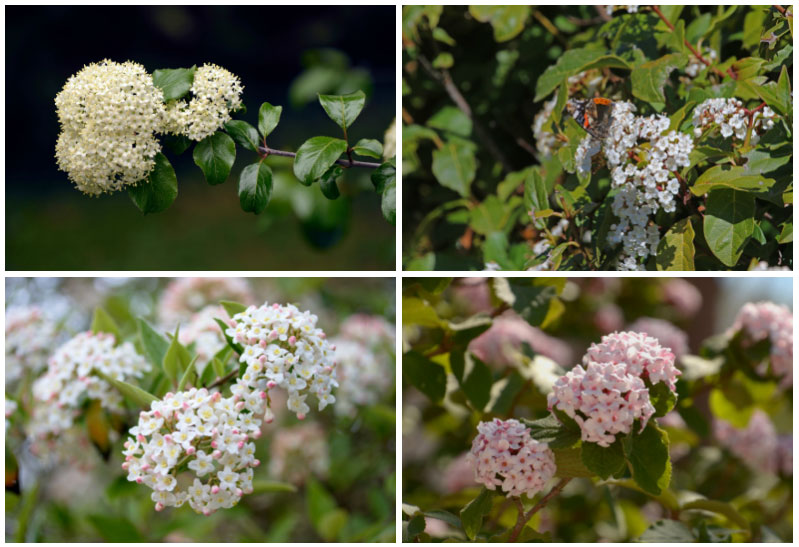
[283,55]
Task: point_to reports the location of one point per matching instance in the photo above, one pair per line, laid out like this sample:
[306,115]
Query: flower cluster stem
[523,517]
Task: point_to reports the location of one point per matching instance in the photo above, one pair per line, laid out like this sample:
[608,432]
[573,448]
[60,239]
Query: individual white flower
[69,377]
[215,93]
[283,347]
[503,454]
[29,339]
[109,114]
[299,452]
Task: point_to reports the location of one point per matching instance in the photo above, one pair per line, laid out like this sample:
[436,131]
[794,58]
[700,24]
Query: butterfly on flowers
[594,115]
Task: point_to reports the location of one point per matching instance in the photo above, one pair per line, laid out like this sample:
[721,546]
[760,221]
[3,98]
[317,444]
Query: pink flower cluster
[641,355]
[604,399]
[769,320]
[757,445]
[504,454]
[664,332]
[188,295]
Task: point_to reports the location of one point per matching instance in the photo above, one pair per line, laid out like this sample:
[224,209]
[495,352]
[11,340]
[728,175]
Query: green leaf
[536,197]
[102,322]
[722,407]
[533,302]
[215,156]
[243,133]
[441,35]
[552,431]
[268,118]
[427,376]
[477,385]
[160,189]
[176,359]
[451,119]
[443,60]
[328,182]
[315,156]
[388,202]
[116,529]
[676,248]
[154,344]
[174,82]
[177,143]
[728,222]
[507,21]
[569,463]
[472,515]
[187,374]
[371,148]
[232,308]
[133,394]
[572,62]
[319,502]
[734,178]
[384,175]
[649,78]
[454,165]
[662,398]
[255,187]
[604,461]
[648,454]
[343,109]
[720,507]
[511,388]
[218,367]
[667,531]
[413,528]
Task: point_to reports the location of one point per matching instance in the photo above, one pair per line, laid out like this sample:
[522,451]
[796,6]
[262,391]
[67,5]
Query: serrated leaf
[268,118]
[728,222]
[371,148]
[215,156]
[315,156]
[255,187]
[174,82]
[243,133]
[343,109]
[134,394]
[102,322]
[472,515]
[157,193]
[427,376]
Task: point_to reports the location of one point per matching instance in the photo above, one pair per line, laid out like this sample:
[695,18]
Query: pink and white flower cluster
[208,433]
[203,331]
[756,445]
[29,338]
[503,454]
[284,348]
[609,394]
[69,378]
[763,320]
[731,118]
[188,295]
[297,453]
[664,332]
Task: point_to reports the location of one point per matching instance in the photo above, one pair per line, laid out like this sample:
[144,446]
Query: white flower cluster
[503,454]
[203,331]
[630,9]
[109,113]
[545,140]
[69,378]
[642,190]
[545,245]
[364,365]
[284,348]
[756,445]
[609,394]
[297,453]
[695,65]
[604,399]
[730,116]
[186,296]
[208,433]
[763,320]
[664,332]
[763,266]
[215,93]
[29,338]
[642,356]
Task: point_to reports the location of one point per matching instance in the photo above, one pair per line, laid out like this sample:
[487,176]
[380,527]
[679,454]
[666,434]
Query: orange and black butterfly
[593,115]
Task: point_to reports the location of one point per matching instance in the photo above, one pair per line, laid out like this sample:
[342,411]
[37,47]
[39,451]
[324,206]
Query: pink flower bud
[292,340]
[169,395]
[239,492]
[215,489]
[157,414]
[323,336]
[216,454]
[333,347]
[213,444]
[263,395]
[239,405]
[256,463]
[300,416]
[257,434]
[145,467]
[159,506]
[191,450]
[231,324]
[138,480]
[125,466]
[275,306]
[270,384]
[240,444]
[141,438]
[168,438]
[262,343]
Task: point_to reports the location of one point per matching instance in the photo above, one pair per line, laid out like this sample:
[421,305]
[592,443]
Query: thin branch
[444,78]
[265,152]
[779,9]
[693,50]
[223,379]
[525,517]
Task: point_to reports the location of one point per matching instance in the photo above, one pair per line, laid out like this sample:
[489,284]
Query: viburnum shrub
[633,425]
[598,137]
[114,117]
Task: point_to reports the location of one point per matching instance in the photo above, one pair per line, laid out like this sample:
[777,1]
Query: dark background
[50,225]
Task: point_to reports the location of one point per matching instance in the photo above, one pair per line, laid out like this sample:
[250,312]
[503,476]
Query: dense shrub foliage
[684,164]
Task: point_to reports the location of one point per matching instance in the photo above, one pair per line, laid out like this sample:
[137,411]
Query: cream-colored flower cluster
[215,93]
[109,114]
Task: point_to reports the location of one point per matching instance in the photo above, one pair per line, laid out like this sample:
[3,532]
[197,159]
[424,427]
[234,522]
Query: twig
[223,379]
[265,152]
[693,50]
[525,517]
[779,9]
[444,78]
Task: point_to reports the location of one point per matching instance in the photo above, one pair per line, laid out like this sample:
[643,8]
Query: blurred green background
[283,55]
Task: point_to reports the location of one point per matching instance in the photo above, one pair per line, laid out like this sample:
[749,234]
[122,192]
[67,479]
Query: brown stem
[444,78]
[779,9]
[525,517]
[693,50]
[223,379]
[265,152]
